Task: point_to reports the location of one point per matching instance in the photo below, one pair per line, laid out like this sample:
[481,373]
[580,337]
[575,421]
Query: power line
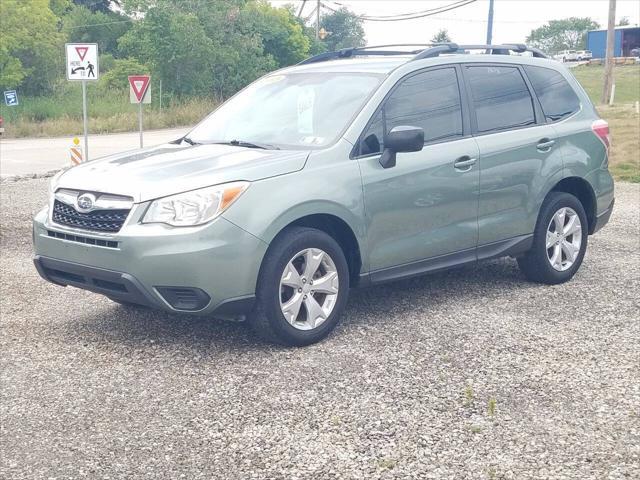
[409,15]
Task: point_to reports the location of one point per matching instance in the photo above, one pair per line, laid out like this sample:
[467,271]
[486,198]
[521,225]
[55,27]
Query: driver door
[424,210]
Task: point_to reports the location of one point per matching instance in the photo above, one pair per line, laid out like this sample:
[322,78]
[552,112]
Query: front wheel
[559,240]
[302,288]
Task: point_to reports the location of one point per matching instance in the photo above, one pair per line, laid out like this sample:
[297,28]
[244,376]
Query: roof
[619,27]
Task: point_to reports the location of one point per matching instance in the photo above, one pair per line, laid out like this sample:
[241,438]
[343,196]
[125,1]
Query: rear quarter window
[556,96]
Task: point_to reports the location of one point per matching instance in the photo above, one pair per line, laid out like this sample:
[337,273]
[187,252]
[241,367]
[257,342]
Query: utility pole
[608,62]
[490,23]
[301,8]
[318,20]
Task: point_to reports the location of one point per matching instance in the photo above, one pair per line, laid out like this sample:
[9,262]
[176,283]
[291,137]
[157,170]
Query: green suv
[352,168]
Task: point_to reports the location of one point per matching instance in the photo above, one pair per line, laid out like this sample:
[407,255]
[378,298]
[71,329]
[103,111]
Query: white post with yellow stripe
[76,152]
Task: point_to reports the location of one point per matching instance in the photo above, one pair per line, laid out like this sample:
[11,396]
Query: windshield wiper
[189,141]
[242,143]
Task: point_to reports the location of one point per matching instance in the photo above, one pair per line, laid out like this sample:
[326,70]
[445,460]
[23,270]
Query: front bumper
[141,261]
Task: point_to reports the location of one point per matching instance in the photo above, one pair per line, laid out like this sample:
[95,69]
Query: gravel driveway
[473,373]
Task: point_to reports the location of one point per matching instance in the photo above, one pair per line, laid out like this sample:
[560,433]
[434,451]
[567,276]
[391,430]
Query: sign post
[82,65]
[139,92]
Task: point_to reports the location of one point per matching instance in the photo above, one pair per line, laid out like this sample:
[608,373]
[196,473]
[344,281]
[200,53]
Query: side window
[430,100]
[556,96]
[501,98]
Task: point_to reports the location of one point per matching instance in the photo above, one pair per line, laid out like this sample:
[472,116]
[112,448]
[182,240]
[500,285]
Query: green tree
[199,47]
[81,25]
[31,47]
[441,37]
[566,34]
[623,22]
[282,37]
[345,29]
[174,44]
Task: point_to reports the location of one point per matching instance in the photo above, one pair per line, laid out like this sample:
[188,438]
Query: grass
[109,112]
[491,407]
[624,122]
[627,80]
[624,125]
[468,395]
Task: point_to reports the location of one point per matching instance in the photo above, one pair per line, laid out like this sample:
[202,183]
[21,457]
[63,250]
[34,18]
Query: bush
[117,76]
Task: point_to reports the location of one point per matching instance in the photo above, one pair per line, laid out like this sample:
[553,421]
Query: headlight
[195,207]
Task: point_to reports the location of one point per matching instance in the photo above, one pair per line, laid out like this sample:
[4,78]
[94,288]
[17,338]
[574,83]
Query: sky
[513,19]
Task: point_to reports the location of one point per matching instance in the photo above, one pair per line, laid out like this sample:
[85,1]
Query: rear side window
[501,98]
[430,100]
[556,96]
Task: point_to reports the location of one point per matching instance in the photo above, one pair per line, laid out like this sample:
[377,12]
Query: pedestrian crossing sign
[82,61]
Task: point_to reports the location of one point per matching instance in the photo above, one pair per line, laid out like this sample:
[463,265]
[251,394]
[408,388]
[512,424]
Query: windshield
[297,110]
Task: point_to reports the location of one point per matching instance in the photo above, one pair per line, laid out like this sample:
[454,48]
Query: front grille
[98,220]
[77,238]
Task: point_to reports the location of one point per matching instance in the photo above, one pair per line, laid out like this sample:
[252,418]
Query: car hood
[166,169]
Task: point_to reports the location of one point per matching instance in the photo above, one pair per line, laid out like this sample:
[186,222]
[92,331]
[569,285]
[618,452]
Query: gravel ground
[473,373]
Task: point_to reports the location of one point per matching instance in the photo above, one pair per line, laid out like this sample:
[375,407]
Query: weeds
[468,395]
[387,463]
[491,408]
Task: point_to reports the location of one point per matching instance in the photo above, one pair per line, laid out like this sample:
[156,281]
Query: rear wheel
[559,240]
[302,289]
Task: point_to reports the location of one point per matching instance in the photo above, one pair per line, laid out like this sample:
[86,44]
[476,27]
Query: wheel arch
[338,229]
[583,191]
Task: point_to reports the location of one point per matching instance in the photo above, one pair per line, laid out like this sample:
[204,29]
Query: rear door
[517,150]
[426,206]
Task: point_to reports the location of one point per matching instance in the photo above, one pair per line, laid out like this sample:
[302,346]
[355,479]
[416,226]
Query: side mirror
[401,139]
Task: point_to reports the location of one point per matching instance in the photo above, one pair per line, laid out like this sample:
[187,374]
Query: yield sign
[82,51]
[139,85]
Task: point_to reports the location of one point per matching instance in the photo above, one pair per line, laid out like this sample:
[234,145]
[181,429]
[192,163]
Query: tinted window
[556,96]
[500,97]
[430,100]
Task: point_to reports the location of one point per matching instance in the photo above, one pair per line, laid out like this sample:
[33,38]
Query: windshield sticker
[305,111]
[312,140]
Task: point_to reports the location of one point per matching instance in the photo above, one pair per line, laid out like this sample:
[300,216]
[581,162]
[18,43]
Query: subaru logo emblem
[85,202]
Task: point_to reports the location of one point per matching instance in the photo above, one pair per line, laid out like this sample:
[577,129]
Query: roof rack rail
[362,51]
[425,51]
[491,49]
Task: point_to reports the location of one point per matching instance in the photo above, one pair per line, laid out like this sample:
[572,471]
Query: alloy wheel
[564,239]
[309,289]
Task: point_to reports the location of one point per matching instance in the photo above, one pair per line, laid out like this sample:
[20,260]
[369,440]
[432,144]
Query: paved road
[21,156]
[401,389]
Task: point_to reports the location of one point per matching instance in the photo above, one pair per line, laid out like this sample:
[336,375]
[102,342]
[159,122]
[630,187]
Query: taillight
[601,129]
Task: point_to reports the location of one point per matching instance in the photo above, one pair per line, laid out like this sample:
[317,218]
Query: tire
[538,264]
[275,291]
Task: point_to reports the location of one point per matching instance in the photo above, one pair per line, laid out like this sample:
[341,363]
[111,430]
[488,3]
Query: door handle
[545,144]
[464,163]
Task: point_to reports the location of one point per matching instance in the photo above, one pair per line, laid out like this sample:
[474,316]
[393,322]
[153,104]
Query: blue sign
[11,98]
